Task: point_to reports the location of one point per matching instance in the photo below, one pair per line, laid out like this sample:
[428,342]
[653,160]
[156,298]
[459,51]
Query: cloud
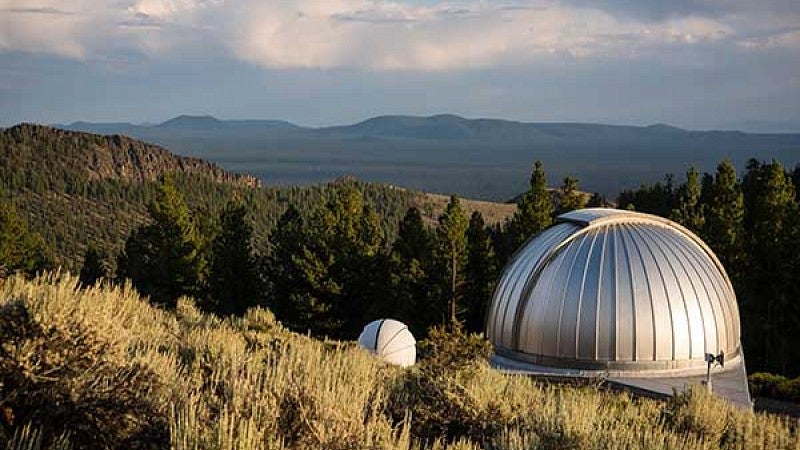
[391,35]
[40,10]
[784,39]
[46,27]
[394,36]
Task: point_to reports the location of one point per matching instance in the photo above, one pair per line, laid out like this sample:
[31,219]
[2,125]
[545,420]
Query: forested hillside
[50,159]
[77,189]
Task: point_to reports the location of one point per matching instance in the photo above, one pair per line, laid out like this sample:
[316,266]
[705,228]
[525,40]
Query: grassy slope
[433,205]
[102,368]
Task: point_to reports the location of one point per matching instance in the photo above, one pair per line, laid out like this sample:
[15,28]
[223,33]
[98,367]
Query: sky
[698,64]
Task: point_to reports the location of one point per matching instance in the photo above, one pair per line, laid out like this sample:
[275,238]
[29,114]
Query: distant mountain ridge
[182,122]
[441,126]
[210,122]
[478,158]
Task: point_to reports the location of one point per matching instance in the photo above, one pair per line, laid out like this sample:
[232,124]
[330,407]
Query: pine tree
[791,281]
[690,212]
[598,201]
[362,266]
[234,280]
[480,273]
[569,198]
[414,240]
[796,182]
[451,248]
[658,198]
[770,277]
[328,273]
[752,183]
[502,242]
[286,274]
[724,215]
[94,267]
[413,274]
[21,250]
[163,259]
[706,182]
[535,210]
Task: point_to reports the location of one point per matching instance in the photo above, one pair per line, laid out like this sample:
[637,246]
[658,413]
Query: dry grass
[433,205]
[100,368]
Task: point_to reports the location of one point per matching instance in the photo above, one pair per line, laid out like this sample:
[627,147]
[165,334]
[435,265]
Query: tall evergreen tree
[163,259]
[324,273]
[706,182]
[94,267]
[690,211]
[724,215]
[502,242]
[796,182]
[752,183]
[535,210]
[414,240]
[480,273]
[770,277]
[451,246]
[21,250]
[287,277]
[234,280]
[413,274]
[569,198]
[356,250]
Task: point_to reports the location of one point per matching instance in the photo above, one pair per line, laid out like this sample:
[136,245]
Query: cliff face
[96,157]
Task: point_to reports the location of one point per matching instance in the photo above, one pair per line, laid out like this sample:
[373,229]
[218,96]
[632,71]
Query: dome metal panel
[511,286]
[606,288]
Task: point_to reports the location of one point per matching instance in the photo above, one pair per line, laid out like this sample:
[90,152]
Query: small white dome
[391,341]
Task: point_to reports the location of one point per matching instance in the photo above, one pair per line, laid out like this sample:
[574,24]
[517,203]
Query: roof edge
[616,368]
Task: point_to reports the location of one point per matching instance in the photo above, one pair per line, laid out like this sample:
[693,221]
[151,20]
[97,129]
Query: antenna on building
[712,361]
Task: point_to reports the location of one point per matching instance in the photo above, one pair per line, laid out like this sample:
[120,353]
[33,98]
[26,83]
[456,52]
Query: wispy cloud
[392,35]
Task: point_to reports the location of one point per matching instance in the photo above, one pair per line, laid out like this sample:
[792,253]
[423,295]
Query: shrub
[63,377]
[764,384]
[774,386]
[696,411]
[438,392]
[101,368]
[453,349]
[444,409]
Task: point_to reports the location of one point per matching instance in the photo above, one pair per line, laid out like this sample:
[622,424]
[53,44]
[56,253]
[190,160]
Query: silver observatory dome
[616,291]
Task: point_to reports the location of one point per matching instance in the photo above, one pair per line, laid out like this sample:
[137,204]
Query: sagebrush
[101,368]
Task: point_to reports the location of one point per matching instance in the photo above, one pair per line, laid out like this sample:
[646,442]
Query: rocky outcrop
[115,156]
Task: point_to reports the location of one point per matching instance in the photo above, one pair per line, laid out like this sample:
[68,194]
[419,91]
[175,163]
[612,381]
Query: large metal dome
[616,290]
